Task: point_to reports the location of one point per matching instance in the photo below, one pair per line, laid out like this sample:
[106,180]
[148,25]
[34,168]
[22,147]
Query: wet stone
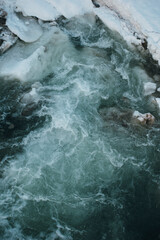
[143,119]
[29,109]
[96,4]
[11,126]
[7,39]
[3,15]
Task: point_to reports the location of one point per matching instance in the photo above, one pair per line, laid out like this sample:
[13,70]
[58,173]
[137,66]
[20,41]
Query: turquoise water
[70,170]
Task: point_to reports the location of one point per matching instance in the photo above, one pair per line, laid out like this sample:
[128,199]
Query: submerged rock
[126,117]
[11,126]
[29,109]
[143,119]
[114,114]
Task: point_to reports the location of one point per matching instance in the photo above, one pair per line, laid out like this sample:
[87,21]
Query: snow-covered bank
[134,19]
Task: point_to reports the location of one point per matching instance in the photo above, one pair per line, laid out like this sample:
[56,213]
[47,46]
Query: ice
[37,8]
[72,8]
[23,70]
[26,28]
[34,62]
[158,102]
[149,88]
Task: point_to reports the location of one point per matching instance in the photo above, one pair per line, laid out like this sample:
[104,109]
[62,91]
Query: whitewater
[75,162]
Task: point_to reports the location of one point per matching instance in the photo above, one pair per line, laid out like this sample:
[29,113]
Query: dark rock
[29,109]
[95,4]
[7,39]
[3,15]
[145,44]
[11,126]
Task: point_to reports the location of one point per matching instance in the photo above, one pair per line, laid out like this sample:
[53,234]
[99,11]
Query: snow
[112,21]
[37,8]
[26,28]
[143,17]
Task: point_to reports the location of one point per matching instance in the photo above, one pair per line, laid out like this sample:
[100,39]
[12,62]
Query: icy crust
[142,17]
[37,8]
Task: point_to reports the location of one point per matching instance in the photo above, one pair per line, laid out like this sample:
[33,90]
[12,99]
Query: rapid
[73,165]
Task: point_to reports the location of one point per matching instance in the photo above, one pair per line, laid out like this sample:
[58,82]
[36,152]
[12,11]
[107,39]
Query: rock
[11,126]
[96,4]
[3,16]
[149,88]
[116,115]
[156,78]
[7,39]
[29,109]
[143,119]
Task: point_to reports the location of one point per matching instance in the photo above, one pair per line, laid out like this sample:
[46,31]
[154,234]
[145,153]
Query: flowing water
[72,165]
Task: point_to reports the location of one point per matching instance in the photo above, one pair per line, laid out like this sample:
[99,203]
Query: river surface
[72,165]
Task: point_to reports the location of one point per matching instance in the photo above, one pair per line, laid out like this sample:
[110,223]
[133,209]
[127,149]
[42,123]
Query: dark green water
[68,170]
